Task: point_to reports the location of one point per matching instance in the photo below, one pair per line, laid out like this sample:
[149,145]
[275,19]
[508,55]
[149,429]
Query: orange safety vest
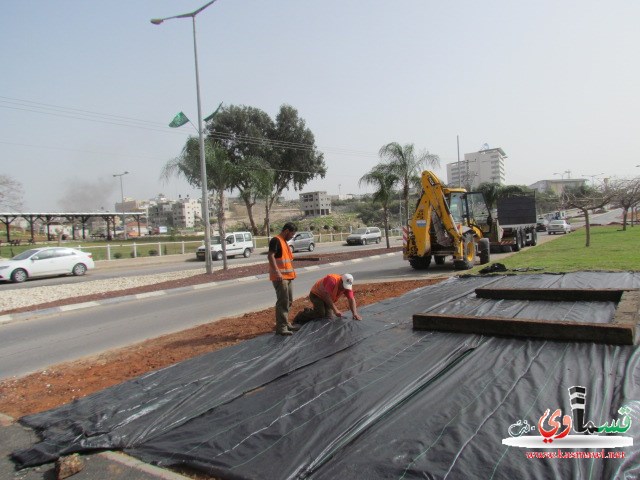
[318,287]
[284,263]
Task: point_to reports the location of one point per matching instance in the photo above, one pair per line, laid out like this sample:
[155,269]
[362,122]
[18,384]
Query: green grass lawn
[611,249]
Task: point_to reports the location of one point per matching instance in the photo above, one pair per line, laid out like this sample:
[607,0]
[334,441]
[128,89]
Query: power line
[119,120]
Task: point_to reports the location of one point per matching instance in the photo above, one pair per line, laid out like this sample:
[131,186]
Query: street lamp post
[592,177]
[203,165]
[124,222]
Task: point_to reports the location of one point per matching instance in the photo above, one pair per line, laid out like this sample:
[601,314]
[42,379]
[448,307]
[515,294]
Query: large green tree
[407,165]
[243,132]
[285,147]
[222,175]
[384,182]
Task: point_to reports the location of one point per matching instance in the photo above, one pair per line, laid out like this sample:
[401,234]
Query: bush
[153,252]
[132,255]
[117,255]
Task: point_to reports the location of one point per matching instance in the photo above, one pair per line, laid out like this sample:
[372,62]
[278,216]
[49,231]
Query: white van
[238,243]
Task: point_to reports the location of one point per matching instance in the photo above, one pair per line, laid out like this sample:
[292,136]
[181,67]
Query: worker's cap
[347,281]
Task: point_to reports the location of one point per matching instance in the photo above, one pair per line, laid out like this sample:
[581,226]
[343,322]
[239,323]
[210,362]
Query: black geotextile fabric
[369,399]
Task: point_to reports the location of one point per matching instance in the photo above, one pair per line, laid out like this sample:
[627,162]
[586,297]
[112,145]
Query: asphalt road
[156,265]
[35,344]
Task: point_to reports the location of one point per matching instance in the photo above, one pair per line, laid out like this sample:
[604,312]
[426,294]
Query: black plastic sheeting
[369,399]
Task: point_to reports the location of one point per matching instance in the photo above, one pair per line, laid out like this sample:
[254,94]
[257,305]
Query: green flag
[179,120]
[210,117]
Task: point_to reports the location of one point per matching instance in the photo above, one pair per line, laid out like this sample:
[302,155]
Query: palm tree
[407,165]
[221,176]
[384,181]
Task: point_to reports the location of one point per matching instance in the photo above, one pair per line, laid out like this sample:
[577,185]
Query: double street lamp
[592,177]
[203,165]
[124,223]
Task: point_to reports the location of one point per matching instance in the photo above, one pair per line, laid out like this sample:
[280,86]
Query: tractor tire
[484,251]
[420,263]
[517,244]
[469,247]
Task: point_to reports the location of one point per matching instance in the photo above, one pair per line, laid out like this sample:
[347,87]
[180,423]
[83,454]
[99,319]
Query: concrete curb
[15,317]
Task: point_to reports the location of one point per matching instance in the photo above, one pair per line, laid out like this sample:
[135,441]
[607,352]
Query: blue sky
[554,84]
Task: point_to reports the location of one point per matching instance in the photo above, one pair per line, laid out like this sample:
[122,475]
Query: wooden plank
[611,333]
[552,294]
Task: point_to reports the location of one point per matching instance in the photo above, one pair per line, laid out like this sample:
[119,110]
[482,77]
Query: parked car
[43,262]
[541,225]
[365,235]
[302,241]
[238,243]
[558,226]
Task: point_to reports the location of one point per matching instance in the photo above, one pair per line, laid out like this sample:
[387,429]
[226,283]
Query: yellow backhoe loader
[448,221]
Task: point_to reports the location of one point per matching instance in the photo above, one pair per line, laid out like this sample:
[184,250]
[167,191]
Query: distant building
[160,211]
[557,186]
[315,204]
[484,166]
[185,211]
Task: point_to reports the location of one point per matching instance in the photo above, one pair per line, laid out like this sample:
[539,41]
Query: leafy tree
[244,133]
[256,143]
[368,213]
[626,195]
[383,181]
[11,193]
[222,175]
[547,201]
[407,165]
[494,191]
[294,159]
[585,198]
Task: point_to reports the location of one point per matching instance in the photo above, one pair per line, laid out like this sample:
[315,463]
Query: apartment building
[185,212]
[484,166]
[315,204]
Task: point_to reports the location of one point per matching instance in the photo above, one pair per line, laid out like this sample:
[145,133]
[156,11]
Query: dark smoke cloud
[87,196]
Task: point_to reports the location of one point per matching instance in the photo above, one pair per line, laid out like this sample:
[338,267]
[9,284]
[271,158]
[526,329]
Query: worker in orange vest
[281,274]
[324,295]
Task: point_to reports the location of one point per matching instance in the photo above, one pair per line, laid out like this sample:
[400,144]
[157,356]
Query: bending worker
[324,295]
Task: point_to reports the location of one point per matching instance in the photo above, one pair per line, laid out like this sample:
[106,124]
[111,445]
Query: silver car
[558,226]
[365,235]
[302,241]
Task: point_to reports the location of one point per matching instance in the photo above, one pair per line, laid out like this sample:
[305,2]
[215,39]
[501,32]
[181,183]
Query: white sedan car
[43,262]
[558,226]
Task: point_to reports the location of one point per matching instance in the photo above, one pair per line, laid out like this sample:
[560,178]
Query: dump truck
[448,222]
[515,227]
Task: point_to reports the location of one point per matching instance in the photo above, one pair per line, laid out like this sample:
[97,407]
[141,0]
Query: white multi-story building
[185,212]
[484,166]
[315,204]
